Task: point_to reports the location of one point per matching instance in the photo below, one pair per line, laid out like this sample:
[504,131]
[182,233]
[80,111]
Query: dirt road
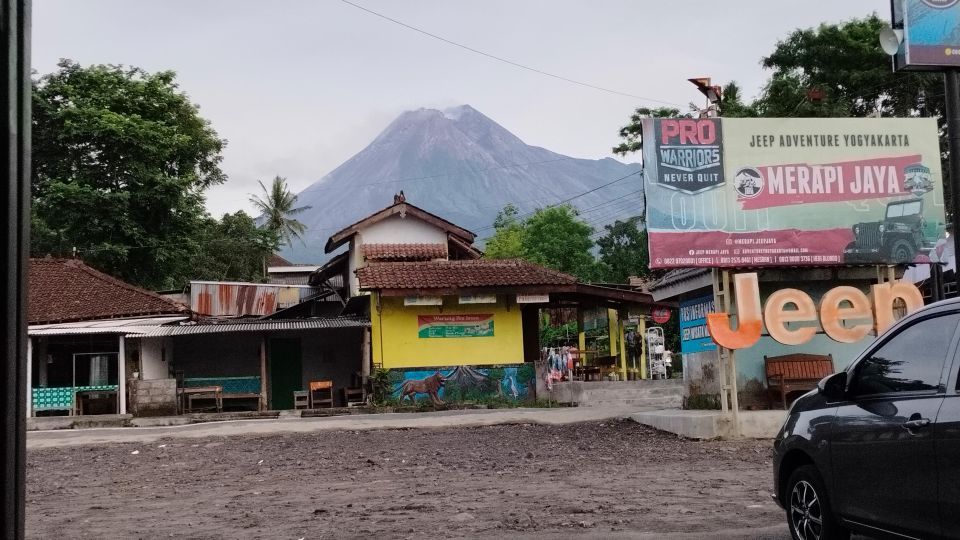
[598,478]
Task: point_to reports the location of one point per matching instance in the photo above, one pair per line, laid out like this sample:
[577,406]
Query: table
[187,395]
[587,373]
[89,395]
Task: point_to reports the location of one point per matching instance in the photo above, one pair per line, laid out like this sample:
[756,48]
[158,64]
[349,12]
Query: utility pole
[951,78]
[15,215]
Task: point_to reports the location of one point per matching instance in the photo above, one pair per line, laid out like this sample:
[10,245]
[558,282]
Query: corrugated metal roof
[263,326]
[130,327]
[237,299]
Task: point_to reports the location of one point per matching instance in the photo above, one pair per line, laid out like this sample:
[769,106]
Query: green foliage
[382,382]
[845,65]
[558,335]
[233,249]
[554,237]
[557,238]
[632,133]
[624,251]
[120,161]
[278,205]
[507,240]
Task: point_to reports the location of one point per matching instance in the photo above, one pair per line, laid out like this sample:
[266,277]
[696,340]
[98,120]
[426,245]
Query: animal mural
[514,382]
[430,385]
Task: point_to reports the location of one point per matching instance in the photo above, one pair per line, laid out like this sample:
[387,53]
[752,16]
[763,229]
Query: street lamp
[713,94]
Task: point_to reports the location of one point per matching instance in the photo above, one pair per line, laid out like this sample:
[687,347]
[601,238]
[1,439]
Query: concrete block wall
[156,397]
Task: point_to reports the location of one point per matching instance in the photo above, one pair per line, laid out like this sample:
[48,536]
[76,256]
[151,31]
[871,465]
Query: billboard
[931,33]
[792,192]
[694,336]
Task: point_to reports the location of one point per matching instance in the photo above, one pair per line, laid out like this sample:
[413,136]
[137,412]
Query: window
[911,361]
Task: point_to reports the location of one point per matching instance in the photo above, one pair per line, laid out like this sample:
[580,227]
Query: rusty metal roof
[228,299]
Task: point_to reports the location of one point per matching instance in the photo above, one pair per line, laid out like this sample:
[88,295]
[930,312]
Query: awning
[259,326]
[127,327]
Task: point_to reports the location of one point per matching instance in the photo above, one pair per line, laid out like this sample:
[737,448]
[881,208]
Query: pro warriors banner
[737,192]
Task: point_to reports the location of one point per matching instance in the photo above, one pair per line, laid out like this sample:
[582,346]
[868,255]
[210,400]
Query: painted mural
[513,382]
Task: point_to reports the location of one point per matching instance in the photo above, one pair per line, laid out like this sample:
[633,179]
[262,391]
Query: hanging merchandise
[656,350]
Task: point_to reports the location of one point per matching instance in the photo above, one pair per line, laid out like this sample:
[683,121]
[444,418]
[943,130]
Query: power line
[564,201]
[506,61]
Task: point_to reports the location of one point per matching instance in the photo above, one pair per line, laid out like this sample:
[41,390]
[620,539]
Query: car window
[910,361]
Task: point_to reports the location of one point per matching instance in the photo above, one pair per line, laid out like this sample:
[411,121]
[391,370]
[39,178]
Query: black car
[875,448]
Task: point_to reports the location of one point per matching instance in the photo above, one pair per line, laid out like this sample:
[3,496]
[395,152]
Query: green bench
[233,388]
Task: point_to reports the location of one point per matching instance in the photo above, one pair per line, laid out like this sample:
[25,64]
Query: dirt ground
[514,480]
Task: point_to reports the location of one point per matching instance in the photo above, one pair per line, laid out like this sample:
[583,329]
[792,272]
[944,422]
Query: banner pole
[952,87]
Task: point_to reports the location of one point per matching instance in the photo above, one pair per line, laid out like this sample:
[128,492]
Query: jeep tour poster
[755,192]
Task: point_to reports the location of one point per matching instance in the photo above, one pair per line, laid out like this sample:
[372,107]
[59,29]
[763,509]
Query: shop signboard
[931,33]
[799,192]
[694,337]
[454,326]
[478,299]
[533,298]
[660,315]
[423,301]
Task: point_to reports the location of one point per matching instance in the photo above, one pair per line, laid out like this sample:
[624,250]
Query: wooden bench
[232,388]
[796,372]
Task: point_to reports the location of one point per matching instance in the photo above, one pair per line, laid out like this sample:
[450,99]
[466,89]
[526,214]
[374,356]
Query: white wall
[155,356]
[392,230]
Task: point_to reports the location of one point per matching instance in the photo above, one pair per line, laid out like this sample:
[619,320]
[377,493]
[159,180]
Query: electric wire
[505,60]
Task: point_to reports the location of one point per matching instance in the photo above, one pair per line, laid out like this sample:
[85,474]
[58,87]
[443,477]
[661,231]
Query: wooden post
[264,402]
[581,336]
[623,346]
[122,375]
[29,377]
[642,337]
[365,359]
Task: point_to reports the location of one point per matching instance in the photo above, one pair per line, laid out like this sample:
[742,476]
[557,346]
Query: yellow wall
[395,343]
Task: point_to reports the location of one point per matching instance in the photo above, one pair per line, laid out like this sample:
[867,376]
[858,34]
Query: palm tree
[277,207]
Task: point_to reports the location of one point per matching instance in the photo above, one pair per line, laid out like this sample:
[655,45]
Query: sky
[299,86]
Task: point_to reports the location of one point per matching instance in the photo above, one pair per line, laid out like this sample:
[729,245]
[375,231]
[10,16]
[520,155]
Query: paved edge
[426,420]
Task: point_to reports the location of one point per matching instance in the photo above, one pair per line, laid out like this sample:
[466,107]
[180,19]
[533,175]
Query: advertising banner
[454,326]
[931,33]
[694,336]
[793,192]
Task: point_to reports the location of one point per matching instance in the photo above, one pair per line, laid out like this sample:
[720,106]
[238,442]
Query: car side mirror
[833,387]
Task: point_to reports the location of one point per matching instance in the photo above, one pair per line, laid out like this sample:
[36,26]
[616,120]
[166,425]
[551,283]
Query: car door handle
[918,423]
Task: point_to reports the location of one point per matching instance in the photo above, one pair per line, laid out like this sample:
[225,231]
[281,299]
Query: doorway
[286,372]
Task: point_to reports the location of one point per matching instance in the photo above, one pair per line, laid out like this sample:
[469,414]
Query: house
[447,324]
[81,322]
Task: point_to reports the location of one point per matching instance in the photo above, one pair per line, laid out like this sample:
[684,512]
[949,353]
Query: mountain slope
[462,166]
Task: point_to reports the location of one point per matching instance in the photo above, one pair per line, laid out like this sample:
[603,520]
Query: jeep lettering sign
[799,192]
[687,154]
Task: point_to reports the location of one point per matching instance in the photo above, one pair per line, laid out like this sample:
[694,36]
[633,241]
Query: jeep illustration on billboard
[902,235]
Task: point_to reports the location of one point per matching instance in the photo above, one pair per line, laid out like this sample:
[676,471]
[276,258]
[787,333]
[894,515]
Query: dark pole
[952,83]
[15,217]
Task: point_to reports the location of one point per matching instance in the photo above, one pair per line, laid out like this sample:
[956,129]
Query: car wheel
[901,252]
[808,508]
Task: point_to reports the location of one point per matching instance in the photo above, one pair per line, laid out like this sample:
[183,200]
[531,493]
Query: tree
[233,249]
[632,133]
[623,251]
[557,238]
[839,70]
[277,206]
[507,239]
[121,158]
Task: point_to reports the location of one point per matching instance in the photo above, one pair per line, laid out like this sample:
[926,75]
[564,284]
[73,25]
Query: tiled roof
[458,274]
[403,209]
[276,260]
[404,252]
[62,290]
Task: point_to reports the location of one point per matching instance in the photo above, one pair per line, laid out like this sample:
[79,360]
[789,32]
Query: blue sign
[694,336]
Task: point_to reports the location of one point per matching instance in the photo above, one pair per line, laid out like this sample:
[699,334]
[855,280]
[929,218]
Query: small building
[448,325]
[80,324]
